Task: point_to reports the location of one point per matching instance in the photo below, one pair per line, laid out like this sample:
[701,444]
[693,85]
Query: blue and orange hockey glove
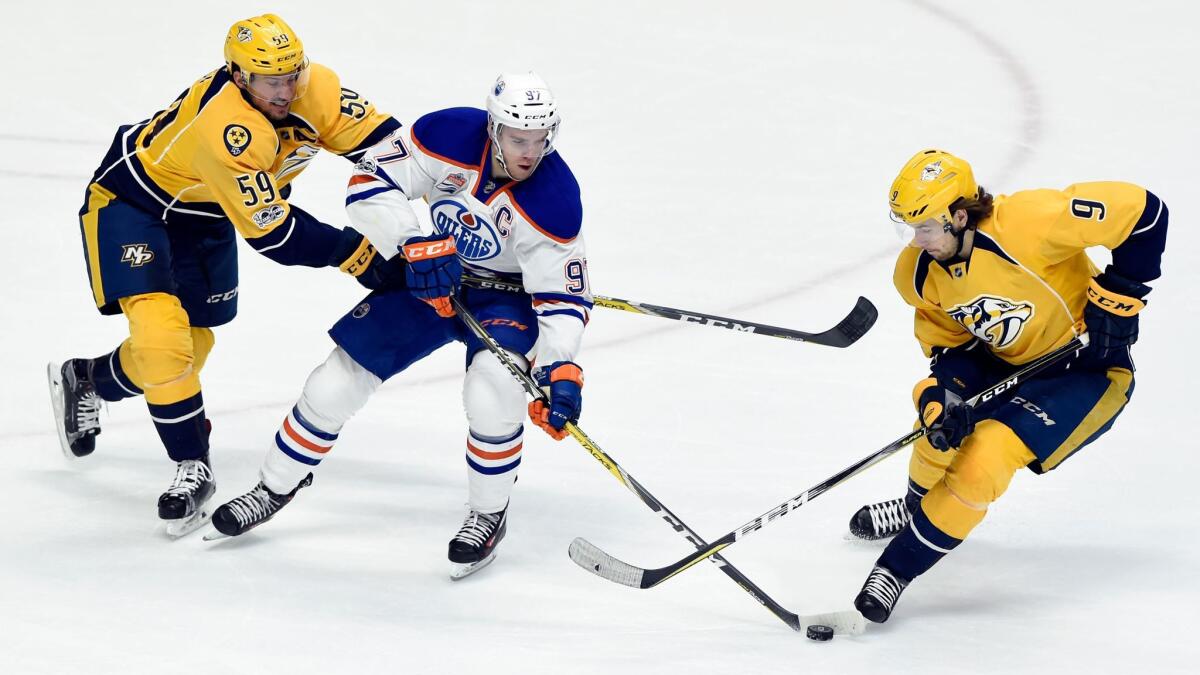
[946,418]
[563,383]
[1111,315]
[434,272]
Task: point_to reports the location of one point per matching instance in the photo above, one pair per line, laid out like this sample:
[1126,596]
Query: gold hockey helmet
[928,185]
[264,45]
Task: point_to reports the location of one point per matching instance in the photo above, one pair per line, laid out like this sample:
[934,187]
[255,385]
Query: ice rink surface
[734,159]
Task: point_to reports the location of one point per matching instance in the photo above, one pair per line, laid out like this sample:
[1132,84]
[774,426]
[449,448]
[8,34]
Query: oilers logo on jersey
[996,320]
[475,237]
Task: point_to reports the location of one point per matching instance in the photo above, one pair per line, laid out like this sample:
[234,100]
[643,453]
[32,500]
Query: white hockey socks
[492,469]
[334,391]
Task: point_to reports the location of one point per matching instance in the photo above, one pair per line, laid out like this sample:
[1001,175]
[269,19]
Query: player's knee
[336,390]
[493,399]
[928,464]
[951,514]
[986,463]
[202,343]
[160,338]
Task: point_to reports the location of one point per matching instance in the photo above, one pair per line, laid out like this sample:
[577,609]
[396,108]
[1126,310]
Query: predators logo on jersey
[237,137]
[996,320]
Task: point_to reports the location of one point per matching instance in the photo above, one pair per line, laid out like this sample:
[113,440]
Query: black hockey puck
[819,633]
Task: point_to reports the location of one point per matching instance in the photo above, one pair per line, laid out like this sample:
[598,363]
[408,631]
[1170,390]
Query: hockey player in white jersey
[504,205]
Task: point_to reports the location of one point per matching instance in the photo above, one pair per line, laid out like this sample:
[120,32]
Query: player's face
[935,239]
[273,95]
[522,150]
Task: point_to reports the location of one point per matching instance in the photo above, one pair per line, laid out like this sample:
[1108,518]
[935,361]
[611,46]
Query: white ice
[734,158]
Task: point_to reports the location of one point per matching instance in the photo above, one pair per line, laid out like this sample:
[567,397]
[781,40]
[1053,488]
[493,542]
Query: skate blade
[872,543]
[213,534]
[463,570]
[54,379]
[185,526]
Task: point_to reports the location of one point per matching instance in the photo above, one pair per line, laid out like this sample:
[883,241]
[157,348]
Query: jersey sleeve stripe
[367,194]
[287,235]
[542,298]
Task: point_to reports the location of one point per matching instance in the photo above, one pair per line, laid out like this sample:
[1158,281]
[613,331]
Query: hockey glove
[945,417]
[355,256]
[563,383]
[434,272]
[1111,315]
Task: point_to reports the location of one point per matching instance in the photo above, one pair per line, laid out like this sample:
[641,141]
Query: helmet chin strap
[960,237]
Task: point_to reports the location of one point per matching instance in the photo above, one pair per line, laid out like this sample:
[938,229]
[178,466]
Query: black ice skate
[880,521]
[183,504]
[879,594]
[252,509]
[76,406]
[474,547]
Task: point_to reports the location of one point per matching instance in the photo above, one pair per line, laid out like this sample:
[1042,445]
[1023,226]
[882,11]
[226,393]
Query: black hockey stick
[845,333]
[595,560]
[841,622]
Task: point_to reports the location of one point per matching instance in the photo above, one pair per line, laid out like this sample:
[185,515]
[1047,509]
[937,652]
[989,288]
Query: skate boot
[879,594]
[183,505]
[252,509]
[76,406]
[474,547]
[880,521]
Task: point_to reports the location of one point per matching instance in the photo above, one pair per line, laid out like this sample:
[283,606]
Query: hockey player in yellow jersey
[996,283]
[158,225]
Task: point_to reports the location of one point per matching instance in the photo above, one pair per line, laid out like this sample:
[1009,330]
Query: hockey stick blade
[599,562]
[850,329]
[590,557]
[593,559]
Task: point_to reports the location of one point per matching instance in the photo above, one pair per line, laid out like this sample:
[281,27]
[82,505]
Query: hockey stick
[845,333]
[842,622]
[595,560]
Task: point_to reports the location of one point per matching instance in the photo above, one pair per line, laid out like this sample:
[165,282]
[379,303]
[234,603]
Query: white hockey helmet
[522,101]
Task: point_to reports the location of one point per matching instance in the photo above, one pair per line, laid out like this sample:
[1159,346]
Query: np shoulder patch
[237,138]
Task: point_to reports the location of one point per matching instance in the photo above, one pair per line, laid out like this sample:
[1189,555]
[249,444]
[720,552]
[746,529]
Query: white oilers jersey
[521,231]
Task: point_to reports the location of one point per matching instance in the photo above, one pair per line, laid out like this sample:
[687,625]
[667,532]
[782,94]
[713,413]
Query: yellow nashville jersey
[1023,287]
[211,153]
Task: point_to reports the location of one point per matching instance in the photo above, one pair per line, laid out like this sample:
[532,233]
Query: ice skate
[76,407]
[882,520]
[474,547]
[184,504]
[250,510]
[879,594]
